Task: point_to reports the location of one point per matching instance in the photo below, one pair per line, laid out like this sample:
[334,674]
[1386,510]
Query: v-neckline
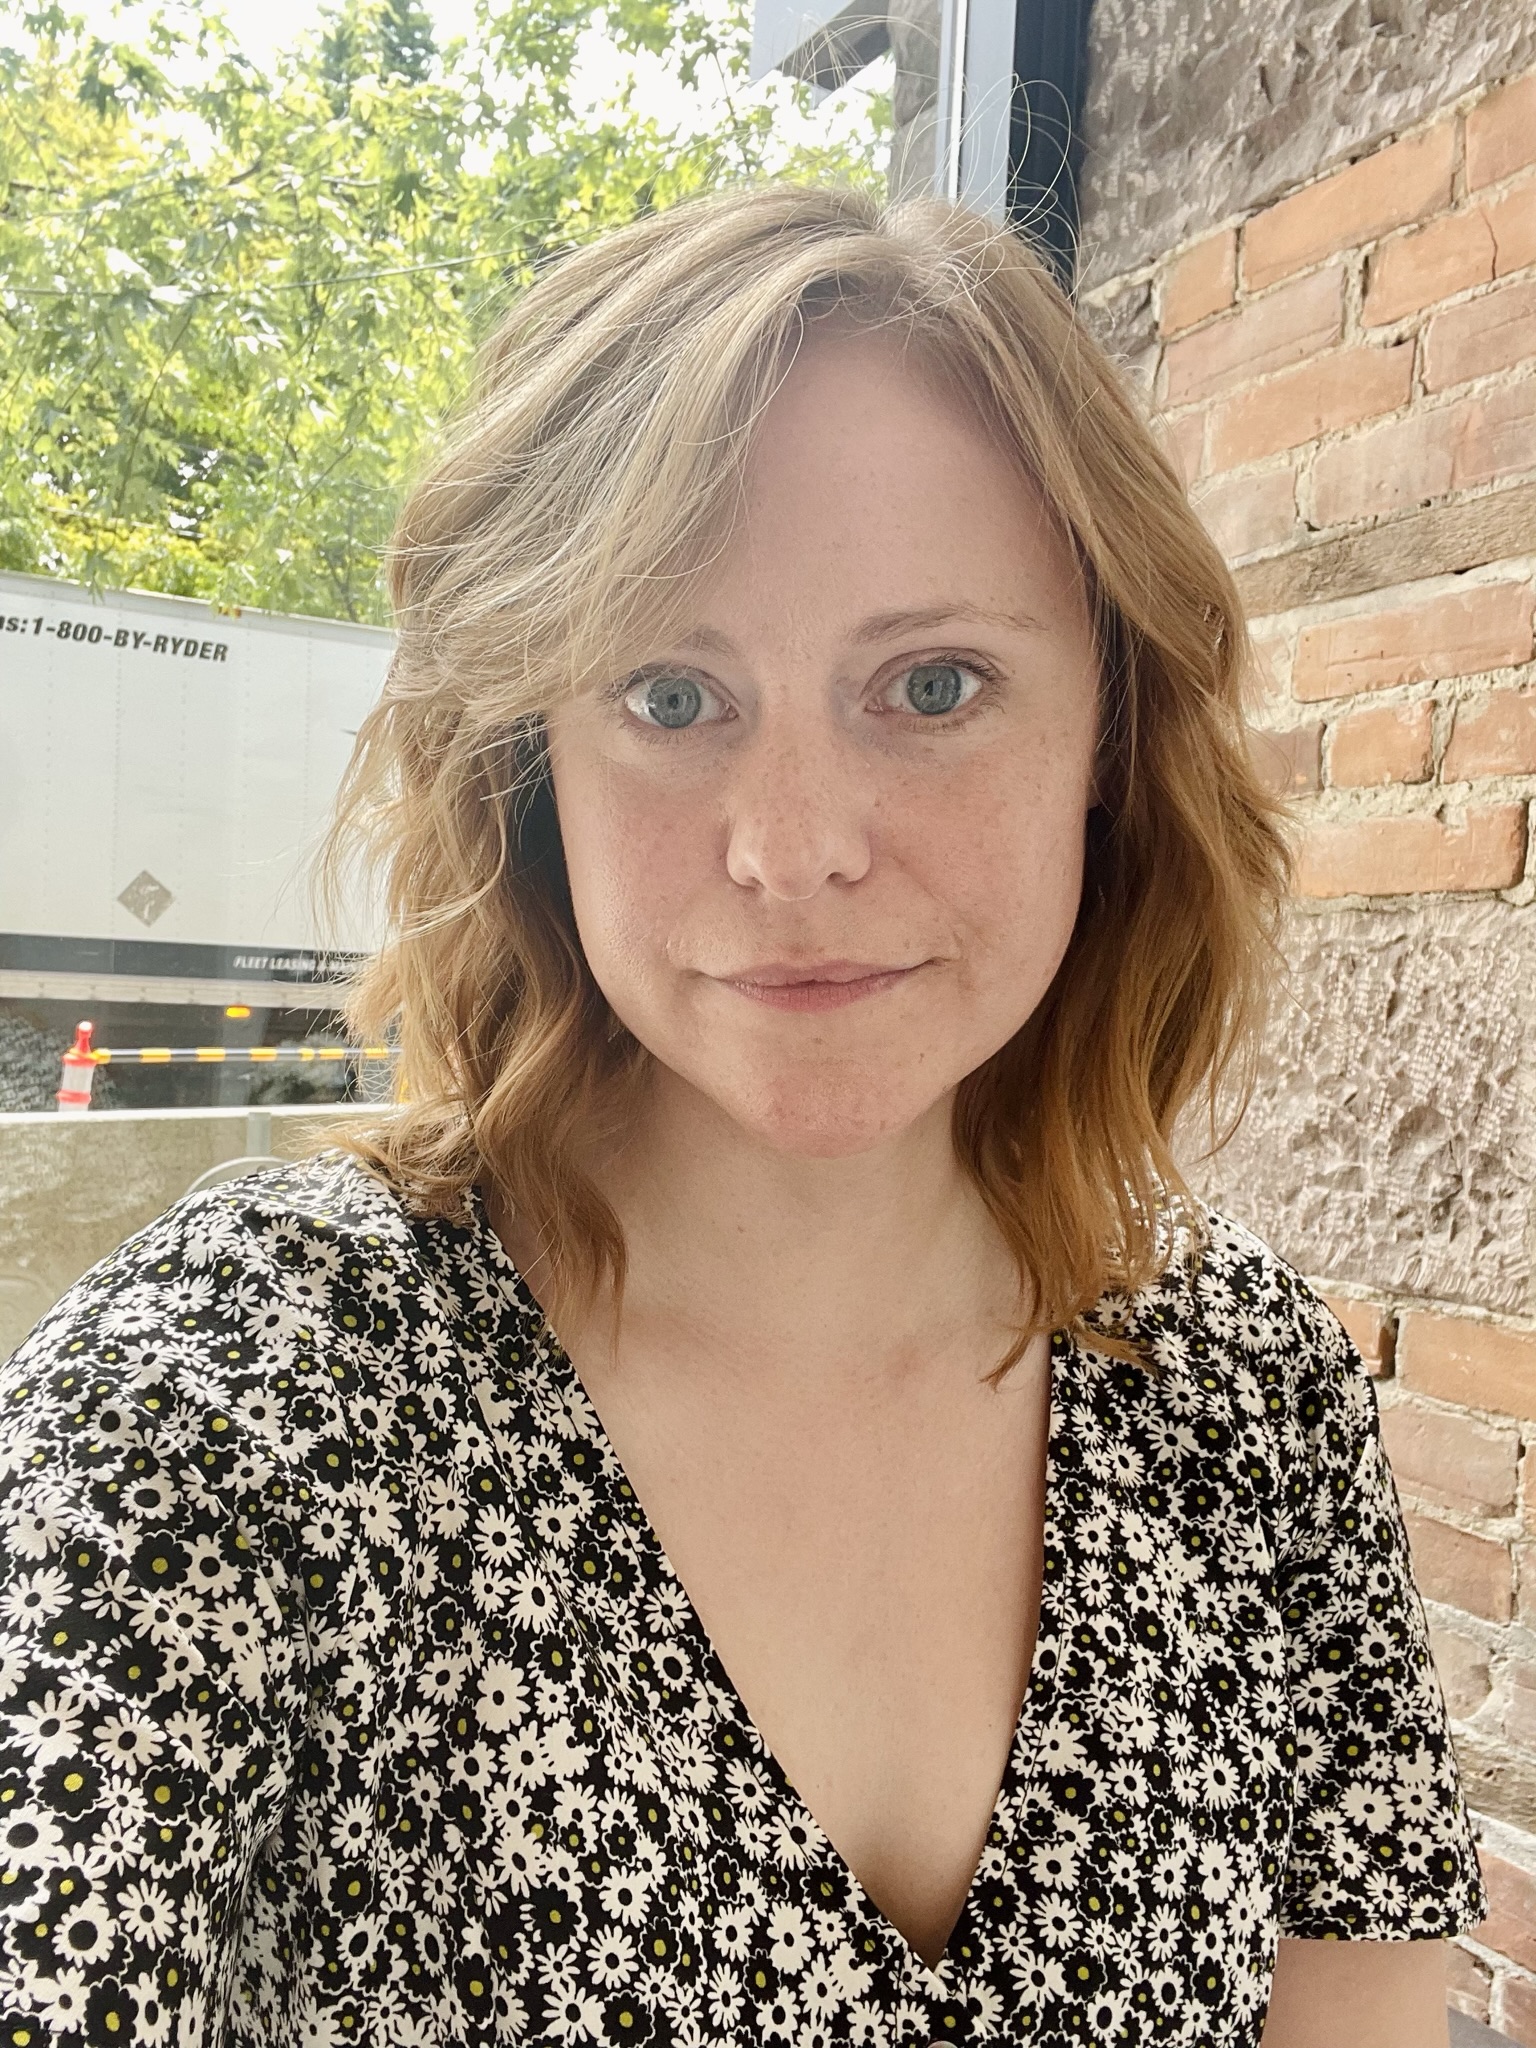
[1020,1767]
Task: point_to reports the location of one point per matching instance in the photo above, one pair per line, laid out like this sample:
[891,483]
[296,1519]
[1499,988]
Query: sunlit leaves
[233,307]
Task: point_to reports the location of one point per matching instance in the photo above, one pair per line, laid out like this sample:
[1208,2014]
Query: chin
[813,1117]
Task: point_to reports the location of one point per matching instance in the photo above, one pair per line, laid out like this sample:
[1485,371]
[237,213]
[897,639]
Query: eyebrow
[881,625]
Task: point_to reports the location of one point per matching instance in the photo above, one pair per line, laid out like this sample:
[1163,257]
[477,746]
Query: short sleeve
[1381,1848]
[154,1663]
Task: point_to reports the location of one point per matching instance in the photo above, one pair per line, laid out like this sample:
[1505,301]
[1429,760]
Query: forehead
[852,395]
[872,487]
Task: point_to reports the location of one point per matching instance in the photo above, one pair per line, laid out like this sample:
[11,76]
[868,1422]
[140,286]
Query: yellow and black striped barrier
[215,1055]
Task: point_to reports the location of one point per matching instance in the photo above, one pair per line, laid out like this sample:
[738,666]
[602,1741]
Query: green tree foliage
[234,305]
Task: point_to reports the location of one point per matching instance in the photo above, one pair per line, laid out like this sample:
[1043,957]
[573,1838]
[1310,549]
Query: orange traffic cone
[79,1072]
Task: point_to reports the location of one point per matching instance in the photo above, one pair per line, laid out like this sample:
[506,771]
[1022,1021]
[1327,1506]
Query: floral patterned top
[346,1694]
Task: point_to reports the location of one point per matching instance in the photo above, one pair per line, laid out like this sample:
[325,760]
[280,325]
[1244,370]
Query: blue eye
[934,687]
[673,702]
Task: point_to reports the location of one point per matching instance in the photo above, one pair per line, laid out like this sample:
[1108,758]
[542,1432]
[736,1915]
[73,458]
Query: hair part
[595,475]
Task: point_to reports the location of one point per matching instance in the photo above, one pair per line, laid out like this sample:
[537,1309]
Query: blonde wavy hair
[594,477]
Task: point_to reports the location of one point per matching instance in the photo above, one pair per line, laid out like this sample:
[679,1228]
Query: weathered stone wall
[1390,1143]
[1310,238]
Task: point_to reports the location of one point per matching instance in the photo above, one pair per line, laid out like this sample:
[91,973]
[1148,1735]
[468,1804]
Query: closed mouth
[816,985]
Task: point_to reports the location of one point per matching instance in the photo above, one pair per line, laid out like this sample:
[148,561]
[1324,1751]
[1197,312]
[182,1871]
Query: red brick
[1199,281]
[1477,1365]
[1385,743]
[1413,856]
[1315,398]
[1512,222]
[1492,332]
[1459,1569]
[1519,1721]
[1467,1982]
[1500,439]
[1517,2010]
[1449,1458]
[1266,334]
[1403,182]
[1371,1329]
[1288,763]
[1388,468]
[1510,1928]
[1463,1668]
[1404,463]
[1183,442]
[1501,133]
[1244,515]
[1459,633]
[1493,735]
[1267,687]
[1429,263]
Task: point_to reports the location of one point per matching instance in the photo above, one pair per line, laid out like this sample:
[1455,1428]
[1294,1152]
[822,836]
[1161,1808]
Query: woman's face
[826,850]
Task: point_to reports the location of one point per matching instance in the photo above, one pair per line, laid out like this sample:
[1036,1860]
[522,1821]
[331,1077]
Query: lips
[815,985]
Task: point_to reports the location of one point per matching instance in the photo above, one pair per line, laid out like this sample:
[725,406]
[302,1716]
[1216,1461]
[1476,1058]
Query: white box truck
[166,773]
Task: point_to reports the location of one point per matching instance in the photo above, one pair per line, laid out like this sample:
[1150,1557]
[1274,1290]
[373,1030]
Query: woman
[940,1583]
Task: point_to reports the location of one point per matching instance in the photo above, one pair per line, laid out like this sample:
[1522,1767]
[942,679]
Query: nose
[798,814]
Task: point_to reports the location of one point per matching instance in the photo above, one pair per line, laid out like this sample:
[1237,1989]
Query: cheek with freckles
[634,861]
[1001,849]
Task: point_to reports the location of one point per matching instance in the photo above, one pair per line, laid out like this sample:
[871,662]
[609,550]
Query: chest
[562,1784]
[867,1571]
[852,1530]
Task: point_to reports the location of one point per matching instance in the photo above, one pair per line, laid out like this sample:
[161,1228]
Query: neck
[802,1265]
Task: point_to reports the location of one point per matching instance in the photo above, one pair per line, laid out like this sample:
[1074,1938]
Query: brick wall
[1346,378]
